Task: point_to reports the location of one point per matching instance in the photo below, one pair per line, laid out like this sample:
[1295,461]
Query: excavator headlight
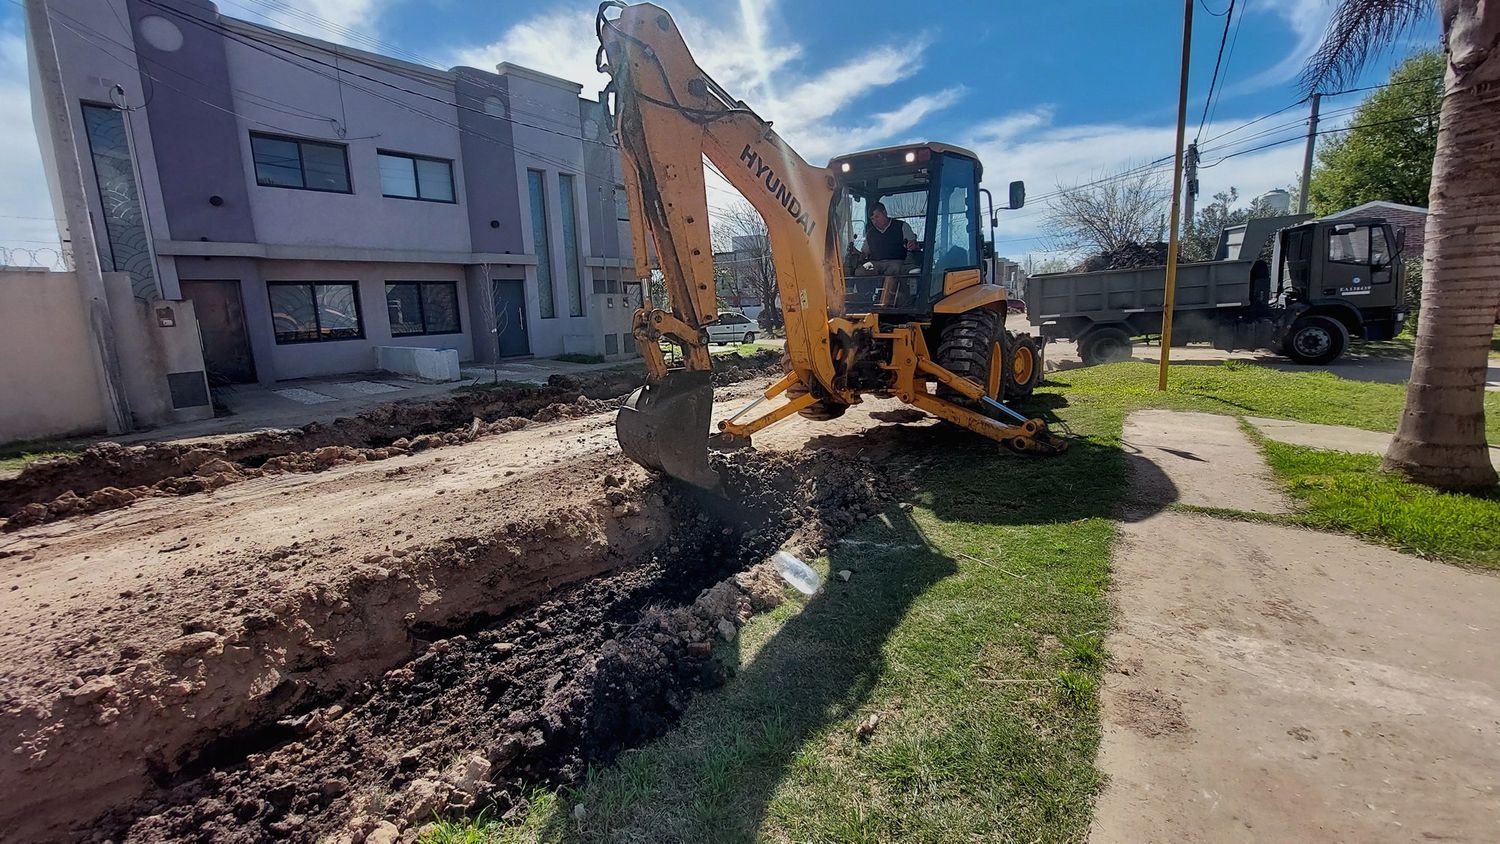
[844,167]
[911,157]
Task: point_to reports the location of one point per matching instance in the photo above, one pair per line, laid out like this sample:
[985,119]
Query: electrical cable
[1213,83]
[1228,59]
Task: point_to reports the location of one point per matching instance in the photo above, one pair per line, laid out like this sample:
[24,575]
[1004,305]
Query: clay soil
[355,649]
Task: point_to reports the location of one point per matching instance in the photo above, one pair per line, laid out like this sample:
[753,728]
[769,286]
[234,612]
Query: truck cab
[1347,269]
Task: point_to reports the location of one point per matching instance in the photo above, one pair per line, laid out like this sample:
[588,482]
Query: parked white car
[732,328]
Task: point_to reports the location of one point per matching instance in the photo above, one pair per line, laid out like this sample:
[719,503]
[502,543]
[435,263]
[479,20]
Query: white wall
[550,106]
[47,383]
[373,116]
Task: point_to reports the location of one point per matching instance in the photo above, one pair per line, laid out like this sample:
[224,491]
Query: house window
[294,163]
[416,177]
[124,222]
[537,188]
[306,312]
[422,307]
[570,244]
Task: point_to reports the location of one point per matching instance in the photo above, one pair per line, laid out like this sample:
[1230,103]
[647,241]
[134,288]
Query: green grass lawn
[1238,388]
[13,461]
[1348,493]
[743,349]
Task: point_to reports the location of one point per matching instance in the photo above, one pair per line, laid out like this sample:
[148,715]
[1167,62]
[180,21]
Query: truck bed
[1113,295]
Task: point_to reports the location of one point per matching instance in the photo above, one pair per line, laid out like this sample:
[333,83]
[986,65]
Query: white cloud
[349,22]
[812,109]
[26,222]
[1307,20]
[1029,145]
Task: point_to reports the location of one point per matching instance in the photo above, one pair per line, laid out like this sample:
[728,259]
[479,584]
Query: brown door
[221,321]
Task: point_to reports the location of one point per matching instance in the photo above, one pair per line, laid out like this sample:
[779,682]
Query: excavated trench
[109,475]
[539,670]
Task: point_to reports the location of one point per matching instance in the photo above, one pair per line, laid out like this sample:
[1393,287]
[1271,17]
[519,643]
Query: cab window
[955,242]
[1380,251]
[1350,247]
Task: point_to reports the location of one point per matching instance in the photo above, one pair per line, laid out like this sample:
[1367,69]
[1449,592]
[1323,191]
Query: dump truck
[1296,286]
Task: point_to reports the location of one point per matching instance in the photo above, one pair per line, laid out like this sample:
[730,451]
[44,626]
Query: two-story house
[316,201]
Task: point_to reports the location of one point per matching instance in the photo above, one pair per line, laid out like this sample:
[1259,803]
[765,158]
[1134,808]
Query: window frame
[359,311]
[301,163]
[416,176]
[542,242]
[422,307]
[1369,255]
[573,257]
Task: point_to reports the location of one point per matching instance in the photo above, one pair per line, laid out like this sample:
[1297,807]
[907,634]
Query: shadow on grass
[714,777]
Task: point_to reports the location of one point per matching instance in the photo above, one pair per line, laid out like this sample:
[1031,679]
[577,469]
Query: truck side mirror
[1400,240]
[1017,195]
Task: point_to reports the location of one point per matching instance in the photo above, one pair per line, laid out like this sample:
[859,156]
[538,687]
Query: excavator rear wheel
[971,346]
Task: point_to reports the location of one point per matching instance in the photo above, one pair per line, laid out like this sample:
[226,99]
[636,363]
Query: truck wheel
[1316,340]
[970,347]
[1023,369]
[1105,345]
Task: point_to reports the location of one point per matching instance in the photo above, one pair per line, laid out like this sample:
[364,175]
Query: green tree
[1201,238]
[1441,438]
[1388,155]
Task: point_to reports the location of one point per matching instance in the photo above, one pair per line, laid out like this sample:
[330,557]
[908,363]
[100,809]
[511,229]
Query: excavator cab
[934,189]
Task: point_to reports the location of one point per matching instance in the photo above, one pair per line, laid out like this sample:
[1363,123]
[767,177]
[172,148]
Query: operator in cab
[889,245]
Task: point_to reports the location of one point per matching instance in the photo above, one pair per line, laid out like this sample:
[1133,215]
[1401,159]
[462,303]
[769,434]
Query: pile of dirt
[109,475]
[1127,257]
[507,697]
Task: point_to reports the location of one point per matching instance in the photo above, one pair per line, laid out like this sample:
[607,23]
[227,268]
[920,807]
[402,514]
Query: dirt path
[164,660]
[1272,683]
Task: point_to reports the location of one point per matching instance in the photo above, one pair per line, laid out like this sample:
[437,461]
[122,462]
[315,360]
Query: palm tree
[1441,440]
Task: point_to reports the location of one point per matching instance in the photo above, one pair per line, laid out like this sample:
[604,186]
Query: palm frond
[1359,31]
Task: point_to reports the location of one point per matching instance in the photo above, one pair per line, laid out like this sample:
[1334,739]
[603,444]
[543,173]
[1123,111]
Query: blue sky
[1055,93]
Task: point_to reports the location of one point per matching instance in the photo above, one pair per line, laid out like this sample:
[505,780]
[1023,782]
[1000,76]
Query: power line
[1228,59]
[1323,132]
[1428,80]
[1213,83]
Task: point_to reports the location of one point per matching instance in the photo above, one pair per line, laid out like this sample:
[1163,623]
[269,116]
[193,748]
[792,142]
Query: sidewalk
[292,404]
[1271,683]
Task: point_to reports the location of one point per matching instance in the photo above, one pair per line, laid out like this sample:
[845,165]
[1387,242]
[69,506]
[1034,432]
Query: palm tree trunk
[1441,440]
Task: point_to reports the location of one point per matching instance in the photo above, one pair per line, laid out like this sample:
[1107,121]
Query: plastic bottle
[797,573]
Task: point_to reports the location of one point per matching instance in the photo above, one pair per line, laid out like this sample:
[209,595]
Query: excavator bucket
[664,426]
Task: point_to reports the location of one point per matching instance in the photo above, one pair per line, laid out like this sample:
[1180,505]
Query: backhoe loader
[928,329]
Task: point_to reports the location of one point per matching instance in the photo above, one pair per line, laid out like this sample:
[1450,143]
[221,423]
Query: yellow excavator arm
[670,117]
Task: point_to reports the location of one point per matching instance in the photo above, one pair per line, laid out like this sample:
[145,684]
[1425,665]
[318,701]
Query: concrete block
[418,362]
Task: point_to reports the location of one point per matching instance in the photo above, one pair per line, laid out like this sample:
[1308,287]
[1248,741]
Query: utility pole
[1169,295]
[1307,157]
[75,209]
[1192,184]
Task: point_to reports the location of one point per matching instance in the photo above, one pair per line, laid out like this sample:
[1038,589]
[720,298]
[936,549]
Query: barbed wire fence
[46,257]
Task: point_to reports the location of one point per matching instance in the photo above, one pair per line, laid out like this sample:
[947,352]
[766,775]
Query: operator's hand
[911,245]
